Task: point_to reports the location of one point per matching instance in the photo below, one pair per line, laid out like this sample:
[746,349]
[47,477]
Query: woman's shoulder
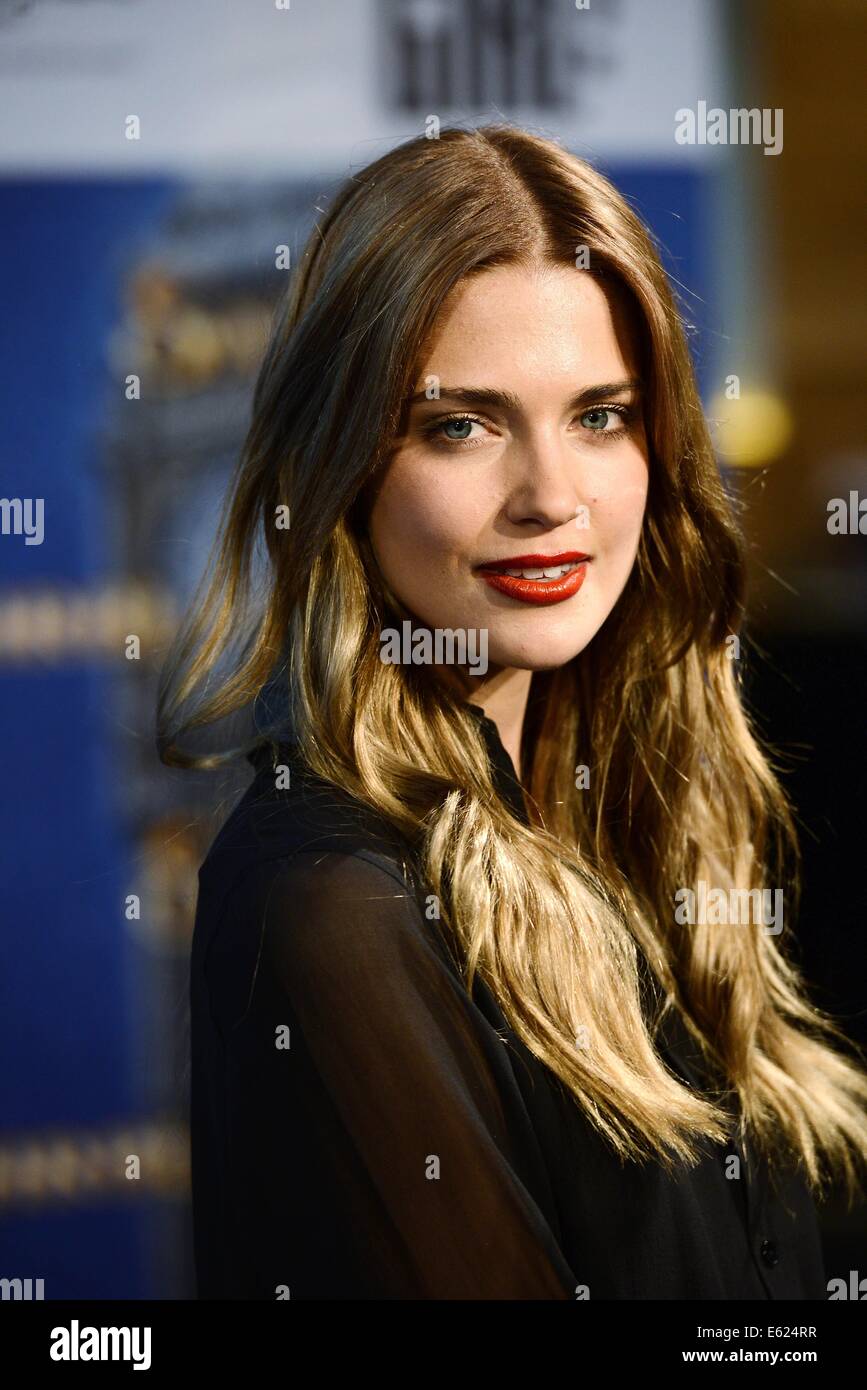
[309,887]
[288,814]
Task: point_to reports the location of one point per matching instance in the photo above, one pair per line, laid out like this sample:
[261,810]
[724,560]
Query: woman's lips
[537,591]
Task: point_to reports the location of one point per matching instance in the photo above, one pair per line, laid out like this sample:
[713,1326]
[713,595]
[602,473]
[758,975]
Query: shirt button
[770,1252]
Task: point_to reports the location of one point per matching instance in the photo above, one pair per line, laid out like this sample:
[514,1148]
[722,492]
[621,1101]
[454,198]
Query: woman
[453,1033]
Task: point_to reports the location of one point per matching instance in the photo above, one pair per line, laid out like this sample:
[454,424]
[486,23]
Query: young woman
[454,1032]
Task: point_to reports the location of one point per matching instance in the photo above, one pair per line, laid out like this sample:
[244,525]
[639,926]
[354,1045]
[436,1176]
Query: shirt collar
[502,768]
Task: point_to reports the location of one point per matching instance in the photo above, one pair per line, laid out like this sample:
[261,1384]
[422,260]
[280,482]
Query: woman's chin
[536,655]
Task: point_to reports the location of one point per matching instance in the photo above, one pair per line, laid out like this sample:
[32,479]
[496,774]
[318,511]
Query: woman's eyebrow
[505,400]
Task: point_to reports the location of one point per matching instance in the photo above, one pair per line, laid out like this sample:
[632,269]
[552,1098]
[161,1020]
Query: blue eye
[599,417]
[460,424]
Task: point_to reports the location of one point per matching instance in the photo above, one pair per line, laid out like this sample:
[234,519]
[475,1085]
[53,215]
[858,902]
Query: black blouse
[364,1128]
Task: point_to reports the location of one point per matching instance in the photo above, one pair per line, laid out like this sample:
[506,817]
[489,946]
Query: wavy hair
[561,917]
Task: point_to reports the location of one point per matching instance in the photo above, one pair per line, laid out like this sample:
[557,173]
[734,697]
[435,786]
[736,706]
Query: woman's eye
[603,419]
[461,428]
[454,431]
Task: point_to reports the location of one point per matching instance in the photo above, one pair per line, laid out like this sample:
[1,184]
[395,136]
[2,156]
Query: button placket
[765,1249]
[770,1253]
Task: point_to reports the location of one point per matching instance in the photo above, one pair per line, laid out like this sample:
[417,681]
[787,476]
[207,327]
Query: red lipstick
[537,589]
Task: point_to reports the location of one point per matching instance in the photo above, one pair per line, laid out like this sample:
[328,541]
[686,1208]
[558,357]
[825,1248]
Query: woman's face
[534,448]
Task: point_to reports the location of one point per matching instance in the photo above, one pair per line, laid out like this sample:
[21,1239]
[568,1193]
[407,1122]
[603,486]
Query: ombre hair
[552,914]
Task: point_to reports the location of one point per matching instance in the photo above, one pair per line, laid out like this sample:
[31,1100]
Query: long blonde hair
[552,914]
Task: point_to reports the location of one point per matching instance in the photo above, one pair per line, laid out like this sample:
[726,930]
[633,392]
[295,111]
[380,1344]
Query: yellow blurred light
[751,430]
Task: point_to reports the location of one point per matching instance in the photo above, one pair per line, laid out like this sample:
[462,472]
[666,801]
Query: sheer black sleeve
[422,1083]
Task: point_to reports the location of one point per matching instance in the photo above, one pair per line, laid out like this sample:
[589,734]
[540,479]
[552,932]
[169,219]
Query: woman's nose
[545,482]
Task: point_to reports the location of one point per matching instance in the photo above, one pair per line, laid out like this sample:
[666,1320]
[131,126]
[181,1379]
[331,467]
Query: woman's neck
[503,697]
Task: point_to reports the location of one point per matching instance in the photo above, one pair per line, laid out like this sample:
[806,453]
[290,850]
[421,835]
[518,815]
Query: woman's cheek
[413,535]
[444,524]
[617,508]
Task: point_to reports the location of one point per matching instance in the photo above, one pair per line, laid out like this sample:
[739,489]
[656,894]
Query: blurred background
[154,158]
